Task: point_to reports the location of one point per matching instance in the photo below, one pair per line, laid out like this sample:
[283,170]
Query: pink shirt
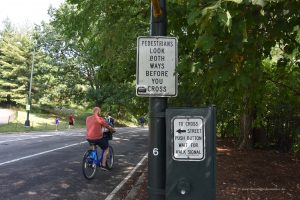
[94,125]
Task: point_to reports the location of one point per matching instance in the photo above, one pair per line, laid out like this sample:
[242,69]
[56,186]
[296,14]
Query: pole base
[27,123]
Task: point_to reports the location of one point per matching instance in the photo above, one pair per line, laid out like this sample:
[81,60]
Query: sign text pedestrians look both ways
[157,60]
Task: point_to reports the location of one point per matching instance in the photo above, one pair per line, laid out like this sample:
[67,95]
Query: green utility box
[191,153]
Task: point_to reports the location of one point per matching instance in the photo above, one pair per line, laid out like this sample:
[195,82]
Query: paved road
[48,165]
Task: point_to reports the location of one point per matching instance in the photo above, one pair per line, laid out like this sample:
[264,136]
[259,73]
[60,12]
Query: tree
[225,53]
[55,82]
[224,47]
[61,69]
[15,63]
[105,35]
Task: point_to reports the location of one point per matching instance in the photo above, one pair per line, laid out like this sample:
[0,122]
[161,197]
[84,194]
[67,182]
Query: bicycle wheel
[89,168]
[110,159]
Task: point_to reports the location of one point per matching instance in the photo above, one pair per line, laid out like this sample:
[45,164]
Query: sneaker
[103,168]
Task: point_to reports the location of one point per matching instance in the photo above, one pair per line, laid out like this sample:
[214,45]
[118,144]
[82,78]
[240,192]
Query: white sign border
[137,68]
[204,138]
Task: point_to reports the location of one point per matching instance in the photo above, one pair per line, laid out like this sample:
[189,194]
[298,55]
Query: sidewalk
[5,115]
[238,178]
[135,187]
[139,189]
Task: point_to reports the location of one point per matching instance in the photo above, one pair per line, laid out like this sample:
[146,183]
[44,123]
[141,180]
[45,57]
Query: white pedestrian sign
[188,138]
[156,63]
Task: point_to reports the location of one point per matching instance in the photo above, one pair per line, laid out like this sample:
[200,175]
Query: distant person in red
[94,134]
[71,121]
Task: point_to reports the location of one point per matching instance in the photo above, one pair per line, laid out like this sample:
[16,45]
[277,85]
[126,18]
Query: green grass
[39,122]
[46,122]
[19,127]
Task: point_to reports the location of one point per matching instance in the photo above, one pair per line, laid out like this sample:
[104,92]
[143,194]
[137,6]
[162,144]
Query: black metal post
[157,126]
[27,121]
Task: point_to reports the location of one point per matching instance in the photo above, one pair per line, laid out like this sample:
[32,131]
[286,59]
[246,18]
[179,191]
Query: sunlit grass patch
[38,122]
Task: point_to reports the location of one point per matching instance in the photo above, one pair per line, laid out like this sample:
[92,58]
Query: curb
[113,195]
[135,189]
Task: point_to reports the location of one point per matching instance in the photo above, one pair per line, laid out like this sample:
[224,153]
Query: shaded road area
[48,165]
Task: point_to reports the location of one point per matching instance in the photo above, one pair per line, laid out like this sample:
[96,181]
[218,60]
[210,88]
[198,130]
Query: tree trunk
[246,121]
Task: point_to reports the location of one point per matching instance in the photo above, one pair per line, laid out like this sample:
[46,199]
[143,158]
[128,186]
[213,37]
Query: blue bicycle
[91,161]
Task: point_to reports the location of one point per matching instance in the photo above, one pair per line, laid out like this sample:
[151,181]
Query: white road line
[114,192]
[41,153]
[34,137]
[130,132]
[116,138]
[74,134]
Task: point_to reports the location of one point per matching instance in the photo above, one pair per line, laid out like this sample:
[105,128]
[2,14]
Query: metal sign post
[181,154]
[157,126]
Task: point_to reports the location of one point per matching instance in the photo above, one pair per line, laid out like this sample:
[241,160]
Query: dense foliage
[15,64]
[240,55]
[105,35]
[55,81]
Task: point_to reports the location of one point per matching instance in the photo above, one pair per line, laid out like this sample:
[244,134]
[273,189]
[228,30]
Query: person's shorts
[102,143]
[71,123]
